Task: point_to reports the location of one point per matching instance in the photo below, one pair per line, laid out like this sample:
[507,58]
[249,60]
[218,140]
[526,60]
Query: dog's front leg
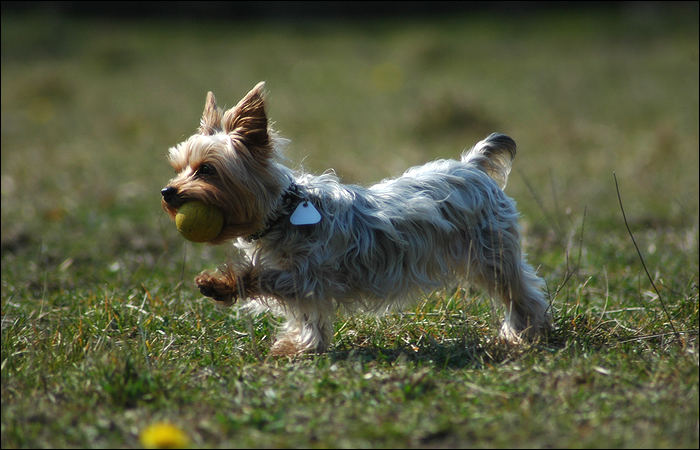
[222,287]
[309,325]
[231,284]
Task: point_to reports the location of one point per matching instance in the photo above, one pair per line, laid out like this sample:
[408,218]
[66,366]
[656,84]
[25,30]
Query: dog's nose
[169,194]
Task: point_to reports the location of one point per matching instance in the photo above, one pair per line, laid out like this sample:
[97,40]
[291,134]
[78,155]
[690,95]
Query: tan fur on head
[237,147]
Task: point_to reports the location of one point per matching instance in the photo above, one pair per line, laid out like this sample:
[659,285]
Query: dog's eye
[206,170]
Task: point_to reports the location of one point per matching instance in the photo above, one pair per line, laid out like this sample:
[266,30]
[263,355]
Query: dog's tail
[494,155]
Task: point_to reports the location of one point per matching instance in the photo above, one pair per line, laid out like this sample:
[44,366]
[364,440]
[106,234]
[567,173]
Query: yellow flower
[164,435]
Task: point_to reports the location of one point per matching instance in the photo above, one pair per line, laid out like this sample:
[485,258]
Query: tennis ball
[199,222]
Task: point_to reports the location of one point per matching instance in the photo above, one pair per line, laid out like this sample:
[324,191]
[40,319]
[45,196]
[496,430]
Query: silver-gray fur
[438,224]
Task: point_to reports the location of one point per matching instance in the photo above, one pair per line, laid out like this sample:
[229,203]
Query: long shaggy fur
[375,247]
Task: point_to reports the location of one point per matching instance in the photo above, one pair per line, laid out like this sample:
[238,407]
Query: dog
[312,245]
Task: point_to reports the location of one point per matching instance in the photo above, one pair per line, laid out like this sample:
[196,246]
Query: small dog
[312,244]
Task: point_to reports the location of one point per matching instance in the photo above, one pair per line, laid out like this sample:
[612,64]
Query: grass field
[104,332]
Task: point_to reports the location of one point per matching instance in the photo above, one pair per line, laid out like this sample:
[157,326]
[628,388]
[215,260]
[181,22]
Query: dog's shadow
[471,352]
[459,354]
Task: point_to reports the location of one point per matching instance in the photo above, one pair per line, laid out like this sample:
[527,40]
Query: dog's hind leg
[526,309]
[501,269]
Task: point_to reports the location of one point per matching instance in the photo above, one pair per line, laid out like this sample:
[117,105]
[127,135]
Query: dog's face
[225,165]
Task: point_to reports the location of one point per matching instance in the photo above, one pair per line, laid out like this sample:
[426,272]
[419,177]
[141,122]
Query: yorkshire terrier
[312,244]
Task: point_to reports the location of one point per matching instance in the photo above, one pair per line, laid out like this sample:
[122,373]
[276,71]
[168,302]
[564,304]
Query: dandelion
[164,435]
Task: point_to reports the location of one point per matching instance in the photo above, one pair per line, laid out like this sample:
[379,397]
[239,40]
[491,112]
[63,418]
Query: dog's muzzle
[170,196]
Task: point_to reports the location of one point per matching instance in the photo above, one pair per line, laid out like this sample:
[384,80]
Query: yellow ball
[198,222]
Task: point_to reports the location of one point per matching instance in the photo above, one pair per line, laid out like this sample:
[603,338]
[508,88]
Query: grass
[103,332]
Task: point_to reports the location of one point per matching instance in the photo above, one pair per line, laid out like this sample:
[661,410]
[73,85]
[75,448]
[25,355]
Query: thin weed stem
[641,258]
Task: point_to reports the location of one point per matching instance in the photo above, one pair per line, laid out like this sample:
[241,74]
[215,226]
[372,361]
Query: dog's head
[227,164]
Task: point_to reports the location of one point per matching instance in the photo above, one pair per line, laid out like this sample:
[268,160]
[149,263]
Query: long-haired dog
[312,244]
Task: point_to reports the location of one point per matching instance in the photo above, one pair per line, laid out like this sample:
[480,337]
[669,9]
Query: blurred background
[93,95]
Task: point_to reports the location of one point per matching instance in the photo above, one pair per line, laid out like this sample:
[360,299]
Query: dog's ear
[211,117]
[248,121]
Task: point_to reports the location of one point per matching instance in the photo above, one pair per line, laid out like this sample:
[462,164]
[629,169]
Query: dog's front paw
[221,288]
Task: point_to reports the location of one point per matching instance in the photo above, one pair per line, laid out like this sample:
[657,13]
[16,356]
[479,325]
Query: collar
[289,200]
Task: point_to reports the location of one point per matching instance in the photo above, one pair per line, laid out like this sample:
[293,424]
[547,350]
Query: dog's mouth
[171,202]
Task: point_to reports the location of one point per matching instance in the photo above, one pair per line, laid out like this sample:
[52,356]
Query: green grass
[103,331]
